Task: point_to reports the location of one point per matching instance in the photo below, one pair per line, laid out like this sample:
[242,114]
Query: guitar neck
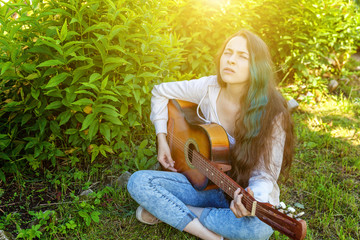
[279,221]
[228,185]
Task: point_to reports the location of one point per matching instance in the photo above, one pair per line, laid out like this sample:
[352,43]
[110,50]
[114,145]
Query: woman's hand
[236,205]
[164,155]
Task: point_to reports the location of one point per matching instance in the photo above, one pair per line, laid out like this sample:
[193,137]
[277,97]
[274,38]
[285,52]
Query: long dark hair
[260,110]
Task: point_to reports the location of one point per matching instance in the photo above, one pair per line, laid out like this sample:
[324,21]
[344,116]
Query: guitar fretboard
[228,185]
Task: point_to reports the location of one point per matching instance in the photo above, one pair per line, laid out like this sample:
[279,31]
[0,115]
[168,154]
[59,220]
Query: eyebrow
[238,52]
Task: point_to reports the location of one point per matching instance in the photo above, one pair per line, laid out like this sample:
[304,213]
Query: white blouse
[204,92]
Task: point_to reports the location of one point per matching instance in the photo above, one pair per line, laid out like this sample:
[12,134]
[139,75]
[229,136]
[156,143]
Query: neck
[234,92]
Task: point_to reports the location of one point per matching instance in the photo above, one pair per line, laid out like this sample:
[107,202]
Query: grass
[325,178]
[325,175]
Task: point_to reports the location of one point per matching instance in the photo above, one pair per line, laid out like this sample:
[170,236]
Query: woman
[242,98]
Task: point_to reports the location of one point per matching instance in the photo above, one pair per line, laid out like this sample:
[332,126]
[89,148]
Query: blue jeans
[166,194]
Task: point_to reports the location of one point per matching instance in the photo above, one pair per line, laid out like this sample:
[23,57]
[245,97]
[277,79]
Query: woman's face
[234,61]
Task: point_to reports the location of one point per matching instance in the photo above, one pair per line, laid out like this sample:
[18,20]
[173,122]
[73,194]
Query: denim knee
[137,181]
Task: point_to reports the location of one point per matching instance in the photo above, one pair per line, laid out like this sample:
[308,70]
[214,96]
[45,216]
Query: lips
[229,70]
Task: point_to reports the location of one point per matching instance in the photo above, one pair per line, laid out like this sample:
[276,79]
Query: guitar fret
[218,177]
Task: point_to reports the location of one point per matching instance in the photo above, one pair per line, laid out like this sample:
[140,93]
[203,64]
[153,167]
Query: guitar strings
[179,144]
[198,156]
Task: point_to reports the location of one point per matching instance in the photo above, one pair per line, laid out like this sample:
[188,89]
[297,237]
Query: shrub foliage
[76,75]
[76,78]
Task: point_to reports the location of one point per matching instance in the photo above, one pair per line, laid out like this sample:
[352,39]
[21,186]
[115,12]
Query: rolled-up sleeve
[263,181]
[190,90]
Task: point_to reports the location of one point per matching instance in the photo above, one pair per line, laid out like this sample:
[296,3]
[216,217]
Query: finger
[250,191]
[171,163]
[172,169]
[236,193]
[241,208]
[165,163]
[170,160]
[233,209]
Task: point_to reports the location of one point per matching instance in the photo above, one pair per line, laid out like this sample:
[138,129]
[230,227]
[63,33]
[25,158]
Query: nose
[231,59]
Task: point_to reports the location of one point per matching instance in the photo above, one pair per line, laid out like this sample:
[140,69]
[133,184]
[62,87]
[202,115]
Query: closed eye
[244,56]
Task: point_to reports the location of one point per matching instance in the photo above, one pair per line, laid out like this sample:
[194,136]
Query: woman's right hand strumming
[164,155]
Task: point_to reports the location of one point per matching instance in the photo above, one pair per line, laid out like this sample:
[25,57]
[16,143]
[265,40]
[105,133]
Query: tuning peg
[291,209]
[299,214]
[281,205]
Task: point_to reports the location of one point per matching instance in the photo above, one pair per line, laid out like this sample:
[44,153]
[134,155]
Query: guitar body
[186,132]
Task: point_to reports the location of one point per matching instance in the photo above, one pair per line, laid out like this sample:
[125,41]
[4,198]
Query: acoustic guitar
[201,153]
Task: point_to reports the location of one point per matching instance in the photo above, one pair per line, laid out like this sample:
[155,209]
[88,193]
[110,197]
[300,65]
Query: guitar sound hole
[191,150]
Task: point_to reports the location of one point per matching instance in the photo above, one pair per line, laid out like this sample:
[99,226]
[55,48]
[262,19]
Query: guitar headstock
[291,211]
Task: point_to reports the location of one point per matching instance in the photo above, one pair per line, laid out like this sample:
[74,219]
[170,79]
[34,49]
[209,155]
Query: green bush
[304,37]
[76,75]
[76,78]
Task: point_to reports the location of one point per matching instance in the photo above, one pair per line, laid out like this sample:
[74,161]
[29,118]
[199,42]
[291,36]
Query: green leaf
[32,76]
[55,128]
[94,77]
[90,85]
[83,101]
[107,97]
[71,43]
[111,3]
[64,31]
[104,83]
[2,177]
[148,152]
[50,44]
[54,81]
[5,67]
[109,112]
[311,144]
[86,92]
[137,95]
[148,75]
[83,214]
[101,25]
[80,71]
[113,120]
[42,124]
[2,136]
[4,156]
[128,78]
[105,131]
[105,148]
[117,60]
[143,144]
[94,154]
[100,106]
[95,216]
[64,117]
[110,67]
[71,131]
[25,118]
[49,63]
[54,105]
[79,117]
[123,109]
[88,120]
